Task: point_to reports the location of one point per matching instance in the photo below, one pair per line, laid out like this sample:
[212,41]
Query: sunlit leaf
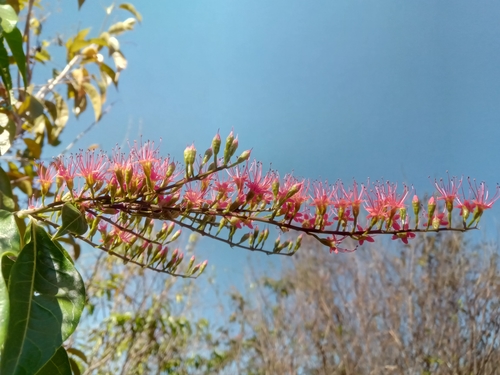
[15,42]
[74,366]
[131,9]
[34,147]
[62,111]
[47,296]
[9,245]
[121,27]
[82,34]
[77,45]
[7,133]
[78,353]
[14,4]
[80,105]
[57,365]
[120,61]
[42,56]
[95,99]
[72,221]
[4,68]
[8,18]
[31,107]
[106,69]
[6,196]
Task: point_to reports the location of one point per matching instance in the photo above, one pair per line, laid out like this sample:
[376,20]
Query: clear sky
[330,89]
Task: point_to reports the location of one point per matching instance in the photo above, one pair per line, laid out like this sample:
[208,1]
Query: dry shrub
[429,307]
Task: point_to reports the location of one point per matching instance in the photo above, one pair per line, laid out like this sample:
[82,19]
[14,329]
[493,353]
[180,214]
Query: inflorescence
[236,202]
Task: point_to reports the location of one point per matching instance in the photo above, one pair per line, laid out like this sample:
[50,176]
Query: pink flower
[258,185]
[481,196]
[322,196]
[92,167]
[239,176]
[363,237]
[405,236]
[193,197]
[449,192]
[46,176]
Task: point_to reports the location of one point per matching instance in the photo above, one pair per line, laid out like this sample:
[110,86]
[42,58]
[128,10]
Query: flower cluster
[122,196]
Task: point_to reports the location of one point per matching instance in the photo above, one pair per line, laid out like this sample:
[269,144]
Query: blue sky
[400,90]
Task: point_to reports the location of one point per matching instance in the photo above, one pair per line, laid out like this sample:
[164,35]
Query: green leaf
[106,69]
[6,197]
[72,221]
[4,68]
[8,18]
[131,9]
[34,148]
[62,111]
[58,364]
[47,296]
[15,42]
[74,366]
[78,353]
[95,99]
[9,245]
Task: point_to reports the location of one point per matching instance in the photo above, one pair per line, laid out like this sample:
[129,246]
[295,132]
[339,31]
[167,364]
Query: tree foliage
[430,307]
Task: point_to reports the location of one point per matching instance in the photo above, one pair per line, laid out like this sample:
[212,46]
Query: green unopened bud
[244,238]
[179,260]
[431,206]
[94,226]
[275,188]
[190,155]
[175,235]
[436,222]
[416,205]
[170,228]
[191,262]
[293,190]
[227,148]
[203,266]
[251,238]
[234,147]
[216,145]
[129,174]
[170,170]
[276,244]
[402,214]
[298,242]
[245,155]
[208,155]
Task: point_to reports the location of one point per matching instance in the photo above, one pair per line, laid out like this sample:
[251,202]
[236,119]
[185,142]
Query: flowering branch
[123,196]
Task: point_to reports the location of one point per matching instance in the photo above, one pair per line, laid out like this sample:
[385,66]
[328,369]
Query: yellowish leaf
[131,9]
[95,99]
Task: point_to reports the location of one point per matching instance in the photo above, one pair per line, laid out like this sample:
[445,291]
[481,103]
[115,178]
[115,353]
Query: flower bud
[234,147]
[190,155]
[298,242]
[216,144]
[436,222]
[191,262]
[208,155]
[431,206]
[227,149]
[245,155]
[175,235]
[202,267]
